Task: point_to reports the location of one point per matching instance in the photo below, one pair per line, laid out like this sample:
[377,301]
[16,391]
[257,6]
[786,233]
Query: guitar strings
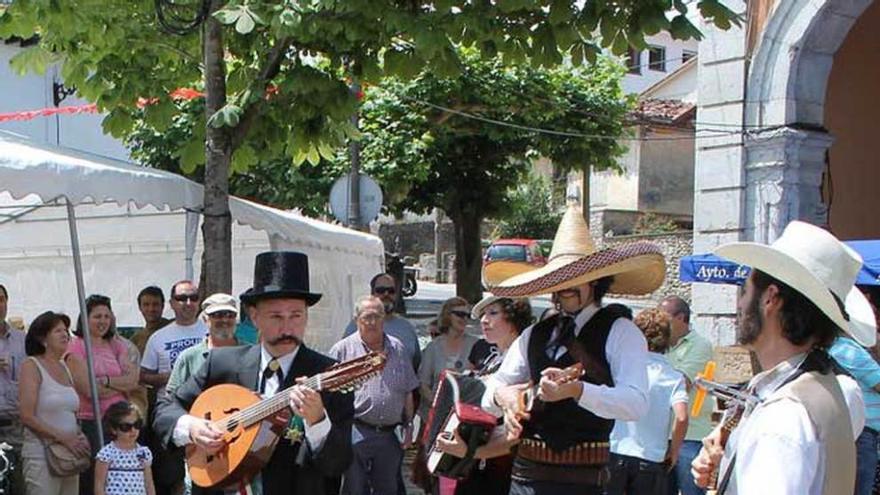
[259,411]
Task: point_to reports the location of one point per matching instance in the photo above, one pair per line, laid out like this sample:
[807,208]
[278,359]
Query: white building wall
[636,83]
[34,92]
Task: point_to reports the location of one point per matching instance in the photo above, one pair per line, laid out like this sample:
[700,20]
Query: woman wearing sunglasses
[123,466]
[448,351]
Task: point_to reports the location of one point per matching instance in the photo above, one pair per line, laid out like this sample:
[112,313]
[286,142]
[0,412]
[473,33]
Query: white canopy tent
[140,228]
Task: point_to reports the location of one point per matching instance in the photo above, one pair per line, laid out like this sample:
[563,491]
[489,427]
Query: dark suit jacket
[240,365]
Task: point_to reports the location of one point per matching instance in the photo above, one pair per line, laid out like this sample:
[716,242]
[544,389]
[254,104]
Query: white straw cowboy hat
[815,263]
[638,267]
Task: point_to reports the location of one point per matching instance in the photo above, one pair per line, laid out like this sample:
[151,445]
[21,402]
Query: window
[687,55]
[657,58]
[634,61]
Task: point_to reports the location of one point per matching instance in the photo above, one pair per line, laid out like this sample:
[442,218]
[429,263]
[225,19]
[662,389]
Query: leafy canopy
[115,54]
[459,143]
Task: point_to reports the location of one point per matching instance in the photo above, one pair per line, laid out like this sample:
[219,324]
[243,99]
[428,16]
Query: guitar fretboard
[255,413]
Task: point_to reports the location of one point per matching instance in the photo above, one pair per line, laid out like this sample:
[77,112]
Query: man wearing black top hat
[280,298]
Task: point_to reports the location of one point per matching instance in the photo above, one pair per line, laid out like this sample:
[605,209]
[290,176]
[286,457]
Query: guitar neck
[266,407]
[729,422]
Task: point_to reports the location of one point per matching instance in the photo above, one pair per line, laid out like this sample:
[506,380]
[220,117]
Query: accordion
[456,409]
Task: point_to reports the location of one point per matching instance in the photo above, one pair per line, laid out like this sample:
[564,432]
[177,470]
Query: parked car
[521,250]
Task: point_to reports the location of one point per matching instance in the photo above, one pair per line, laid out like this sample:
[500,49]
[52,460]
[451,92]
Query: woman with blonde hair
[448,351]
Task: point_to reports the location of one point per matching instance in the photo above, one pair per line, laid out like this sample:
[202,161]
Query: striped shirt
[856,360]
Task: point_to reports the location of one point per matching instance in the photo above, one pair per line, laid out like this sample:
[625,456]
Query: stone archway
[785,153]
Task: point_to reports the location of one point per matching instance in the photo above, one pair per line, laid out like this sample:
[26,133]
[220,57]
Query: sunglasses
[186,297]
[222,314]
[384,290]
[126,427]
[461,314]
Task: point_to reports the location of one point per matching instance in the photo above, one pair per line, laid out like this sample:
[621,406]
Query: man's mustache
[286,338]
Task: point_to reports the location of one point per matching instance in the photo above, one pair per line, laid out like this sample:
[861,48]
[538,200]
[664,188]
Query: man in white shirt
[317,439]
[642,454]
[166,344]
[795,436]
[564,441]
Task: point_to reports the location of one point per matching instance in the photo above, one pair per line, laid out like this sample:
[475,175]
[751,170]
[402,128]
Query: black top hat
[281,274]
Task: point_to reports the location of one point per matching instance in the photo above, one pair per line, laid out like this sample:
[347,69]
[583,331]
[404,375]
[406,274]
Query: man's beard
[750,322]
[389,307]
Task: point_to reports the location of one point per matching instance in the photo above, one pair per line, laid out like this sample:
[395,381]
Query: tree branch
[269,71]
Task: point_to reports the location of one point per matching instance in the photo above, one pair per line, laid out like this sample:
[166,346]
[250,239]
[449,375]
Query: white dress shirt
[776,447]
[627,353]
[315,434]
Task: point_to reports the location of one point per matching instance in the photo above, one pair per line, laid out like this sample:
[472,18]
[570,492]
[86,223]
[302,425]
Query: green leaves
[34,58]
[228,116]
[244,18]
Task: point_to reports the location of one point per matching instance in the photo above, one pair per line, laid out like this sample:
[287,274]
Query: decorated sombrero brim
[638,268]
[498,271]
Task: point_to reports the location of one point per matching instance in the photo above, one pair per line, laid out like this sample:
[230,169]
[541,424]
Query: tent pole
[84,318]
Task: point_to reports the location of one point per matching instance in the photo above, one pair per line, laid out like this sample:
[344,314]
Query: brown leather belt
[583,454]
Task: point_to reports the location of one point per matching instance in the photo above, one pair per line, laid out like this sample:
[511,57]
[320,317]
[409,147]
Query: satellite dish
[370,199]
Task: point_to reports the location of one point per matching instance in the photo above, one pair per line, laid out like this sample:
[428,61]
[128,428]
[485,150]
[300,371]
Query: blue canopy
[715,270]
[870,252]
[711,269]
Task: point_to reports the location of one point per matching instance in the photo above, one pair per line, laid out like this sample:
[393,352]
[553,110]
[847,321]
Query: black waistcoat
[564,423]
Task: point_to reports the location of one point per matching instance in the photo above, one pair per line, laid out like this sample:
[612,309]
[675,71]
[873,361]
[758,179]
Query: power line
[555,132]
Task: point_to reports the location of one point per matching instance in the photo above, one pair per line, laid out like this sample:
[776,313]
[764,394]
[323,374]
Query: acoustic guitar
[528,398]
[244,418]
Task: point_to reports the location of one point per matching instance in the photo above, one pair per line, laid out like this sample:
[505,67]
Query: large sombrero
[815,263]
[638,267]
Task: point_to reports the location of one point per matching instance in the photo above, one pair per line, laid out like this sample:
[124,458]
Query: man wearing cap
[795,436]
[220,311]
[564,441]
[298,465]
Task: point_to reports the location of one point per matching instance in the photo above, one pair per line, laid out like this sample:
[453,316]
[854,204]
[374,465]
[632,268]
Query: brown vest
[821,396]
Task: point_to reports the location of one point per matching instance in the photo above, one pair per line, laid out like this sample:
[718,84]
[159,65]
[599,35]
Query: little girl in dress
[123,466]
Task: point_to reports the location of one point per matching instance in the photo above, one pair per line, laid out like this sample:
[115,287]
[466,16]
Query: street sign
[370,199]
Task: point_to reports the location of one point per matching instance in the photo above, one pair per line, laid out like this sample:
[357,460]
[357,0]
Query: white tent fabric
[132,223]
[49,172]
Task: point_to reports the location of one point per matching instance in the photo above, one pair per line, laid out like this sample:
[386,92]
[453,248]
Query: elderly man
[795,434]
[384,287]
[297,466]
[11,356]
[564,443]
[380,405]
[688,353]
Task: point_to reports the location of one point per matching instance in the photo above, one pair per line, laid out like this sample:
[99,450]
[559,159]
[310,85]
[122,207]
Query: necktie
[564,335]
[273,368]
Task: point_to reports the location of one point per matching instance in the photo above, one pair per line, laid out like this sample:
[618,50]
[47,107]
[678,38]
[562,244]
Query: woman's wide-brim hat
[281,275]
[638,267]
[813,262]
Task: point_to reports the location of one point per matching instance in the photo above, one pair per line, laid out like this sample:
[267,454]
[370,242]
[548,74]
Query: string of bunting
[177,94]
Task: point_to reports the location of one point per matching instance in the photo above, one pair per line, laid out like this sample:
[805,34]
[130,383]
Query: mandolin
[245,419]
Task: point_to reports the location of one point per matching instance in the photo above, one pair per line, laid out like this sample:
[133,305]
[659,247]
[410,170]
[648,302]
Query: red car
[522,250]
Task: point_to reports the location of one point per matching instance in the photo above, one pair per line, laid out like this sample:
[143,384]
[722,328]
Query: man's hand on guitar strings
[555,386]
[206,436]
[709,460]
[307,403]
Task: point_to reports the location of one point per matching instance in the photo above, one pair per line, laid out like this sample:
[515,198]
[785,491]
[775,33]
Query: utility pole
[354,182]
[585,196]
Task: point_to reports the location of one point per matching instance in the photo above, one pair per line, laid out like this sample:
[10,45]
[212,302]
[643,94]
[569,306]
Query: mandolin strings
[267,407]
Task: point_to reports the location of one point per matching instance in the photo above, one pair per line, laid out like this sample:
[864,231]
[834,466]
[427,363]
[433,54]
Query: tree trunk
[217,225]
[468,255]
